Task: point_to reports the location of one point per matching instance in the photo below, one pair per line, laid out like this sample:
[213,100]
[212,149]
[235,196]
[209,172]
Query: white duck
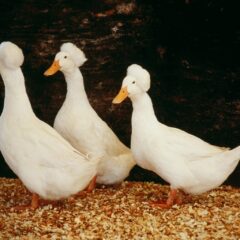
[44,161]
[78,122]
[183,160]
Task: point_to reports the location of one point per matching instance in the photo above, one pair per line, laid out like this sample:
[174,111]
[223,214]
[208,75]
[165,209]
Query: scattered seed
[121,213]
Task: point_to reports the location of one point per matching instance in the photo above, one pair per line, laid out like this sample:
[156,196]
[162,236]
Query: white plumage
[78,122]
[11,55]
[141,74]
[45,162]
[77,55]
[183,160]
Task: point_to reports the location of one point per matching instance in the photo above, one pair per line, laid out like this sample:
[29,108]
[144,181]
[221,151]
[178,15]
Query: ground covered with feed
[120,212]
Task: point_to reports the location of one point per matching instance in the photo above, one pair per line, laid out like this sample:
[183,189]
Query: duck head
[11,56]
[136,82]
[69,57]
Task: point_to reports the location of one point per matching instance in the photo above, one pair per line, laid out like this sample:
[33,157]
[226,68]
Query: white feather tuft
[141,75]
[76,53]
[11,55]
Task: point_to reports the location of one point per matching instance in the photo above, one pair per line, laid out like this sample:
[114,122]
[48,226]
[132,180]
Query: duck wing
[109,141]
[54,149]
[189,145]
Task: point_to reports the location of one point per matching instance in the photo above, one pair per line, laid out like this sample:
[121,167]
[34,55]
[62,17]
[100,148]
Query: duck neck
[143,111]
[16,99]
[75,87]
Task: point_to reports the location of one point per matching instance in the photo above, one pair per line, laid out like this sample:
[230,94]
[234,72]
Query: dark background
[190,48]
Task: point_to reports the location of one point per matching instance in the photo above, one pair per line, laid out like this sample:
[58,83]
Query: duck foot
[84,192]
[91,185]
[33,206]
[36,202]
[174,197]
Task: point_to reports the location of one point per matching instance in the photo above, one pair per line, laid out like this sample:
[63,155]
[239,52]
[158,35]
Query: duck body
[79,123]
[114,165]
[44,161]
[186,162]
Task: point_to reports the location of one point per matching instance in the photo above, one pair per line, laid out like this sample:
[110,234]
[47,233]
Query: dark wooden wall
[190,47]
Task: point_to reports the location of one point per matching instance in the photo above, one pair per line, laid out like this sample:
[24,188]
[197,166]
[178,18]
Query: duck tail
[231,158]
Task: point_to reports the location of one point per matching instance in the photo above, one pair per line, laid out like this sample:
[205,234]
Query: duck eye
[133,82]
[65,57]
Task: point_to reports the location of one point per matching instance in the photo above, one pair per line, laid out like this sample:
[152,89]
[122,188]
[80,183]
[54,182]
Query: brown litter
[121,212]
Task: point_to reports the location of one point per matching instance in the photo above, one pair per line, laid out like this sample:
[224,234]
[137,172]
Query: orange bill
[123,93]
[53,69]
